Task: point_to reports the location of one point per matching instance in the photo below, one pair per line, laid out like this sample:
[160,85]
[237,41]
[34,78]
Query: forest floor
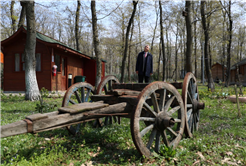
[220,140]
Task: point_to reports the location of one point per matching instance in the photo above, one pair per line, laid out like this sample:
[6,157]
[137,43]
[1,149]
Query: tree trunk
[162,43]
[126,41]
[223,48]
[129,54]
[229,46]
[168,57]
[206,34]
[242,39]
[156,23]
[195,38]
[189,36]
[32,90]
[76,25]
[96,43]
[13,17]
[176,54]
[22,15]
[158,76]
[139,27]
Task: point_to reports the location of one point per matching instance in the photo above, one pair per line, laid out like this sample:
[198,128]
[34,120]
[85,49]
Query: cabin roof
[219,64]
[48,39]
[242,62]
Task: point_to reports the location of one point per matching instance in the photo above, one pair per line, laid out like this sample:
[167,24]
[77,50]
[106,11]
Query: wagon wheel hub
[163,120]
[197,105]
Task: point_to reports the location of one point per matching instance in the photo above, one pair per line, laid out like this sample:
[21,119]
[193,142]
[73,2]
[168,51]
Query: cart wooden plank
[19,127]
[82,107]
[120,92]
[37,116]
[140,86]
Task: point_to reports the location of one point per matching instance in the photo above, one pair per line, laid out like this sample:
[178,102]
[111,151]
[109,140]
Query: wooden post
[238,107]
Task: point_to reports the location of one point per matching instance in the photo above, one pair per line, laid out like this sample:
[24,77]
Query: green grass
[220,140]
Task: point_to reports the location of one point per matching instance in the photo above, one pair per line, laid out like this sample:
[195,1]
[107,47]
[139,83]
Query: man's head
[146,48]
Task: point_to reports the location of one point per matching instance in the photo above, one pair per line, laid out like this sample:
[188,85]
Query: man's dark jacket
[149,64]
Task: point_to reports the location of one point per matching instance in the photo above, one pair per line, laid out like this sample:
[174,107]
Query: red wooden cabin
[217,71]
[49,52]
[241,71]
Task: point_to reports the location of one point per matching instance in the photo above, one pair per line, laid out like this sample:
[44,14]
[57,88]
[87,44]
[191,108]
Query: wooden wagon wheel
[77,93]
[192,105]
[106,85]
[159,118]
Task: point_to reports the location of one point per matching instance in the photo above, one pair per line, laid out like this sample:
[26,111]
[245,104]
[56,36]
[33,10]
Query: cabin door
[64,74]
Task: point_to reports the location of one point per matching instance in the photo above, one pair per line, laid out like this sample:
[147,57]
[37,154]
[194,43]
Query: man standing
[144,66]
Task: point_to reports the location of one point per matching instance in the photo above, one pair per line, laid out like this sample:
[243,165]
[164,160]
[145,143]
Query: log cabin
[217,71]
[241,72]
[70,63]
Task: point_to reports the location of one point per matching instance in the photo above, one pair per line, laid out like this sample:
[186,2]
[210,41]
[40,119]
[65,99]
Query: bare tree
[32,90]
[229,32]
[96,43]
[206,35]
[22,15]
[162,43]
[76,25]
[189,36]
[129,54]
[126,40]
[13,17]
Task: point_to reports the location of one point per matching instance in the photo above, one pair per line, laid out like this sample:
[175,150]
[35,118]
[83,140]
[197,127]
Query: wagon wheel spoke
[148,119]
[77,96]
[87,95]
[157,141]
[189,97]
[189,105]
[146,130]
[191,88]
[177,120]
[197,117]
[115,119]
[173,132]
[110,85]
[162,99]
[191,123]
[195,121]
[82,94]
[165,139]
[72,102]
[151,138]
[149,109]
[155,103]
[105,89]
[189,113]
[168,104]
[196,95]
[194,91]
[173,110]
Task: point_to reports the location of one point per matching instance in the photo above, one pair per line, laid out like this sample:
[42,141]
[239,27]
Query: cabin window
[20,62]
[38,62]
[58,63]
[63,67]
[17,62]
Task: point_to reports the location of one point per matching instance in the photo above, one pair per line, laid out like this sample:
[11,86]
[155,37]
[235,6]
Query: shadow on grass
[112,150]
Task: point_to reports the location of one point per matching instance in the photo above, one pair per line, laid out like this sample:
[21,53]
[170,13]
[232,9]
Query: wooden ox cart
[158,113]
